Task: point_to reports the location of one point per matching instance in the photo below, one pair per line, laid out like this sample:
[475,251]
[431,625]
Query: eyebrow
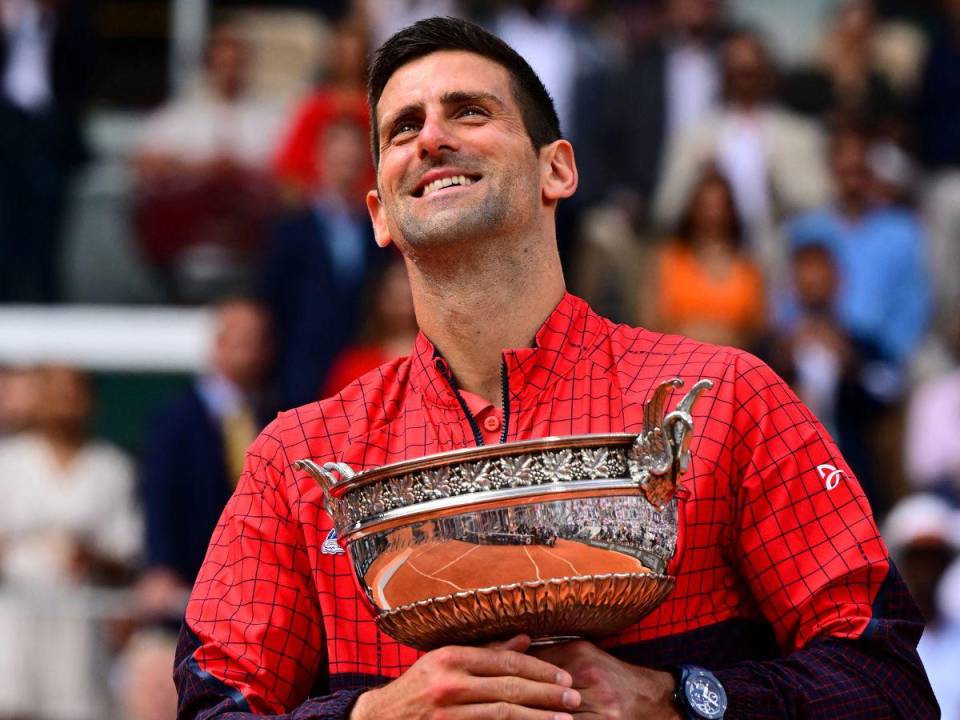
[452,97]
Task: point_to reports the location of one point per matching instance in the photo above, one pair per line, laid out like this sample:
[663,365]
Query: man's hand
[467,683]
[610,688]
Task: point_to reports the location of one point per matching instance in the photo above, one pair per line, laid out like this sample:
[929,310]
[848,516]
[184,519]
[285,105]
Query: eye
[472,110]
[403,128]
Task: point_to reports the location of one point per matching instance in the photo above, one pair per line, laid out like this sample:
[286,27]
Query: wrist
[662,688]
[361,706]
[674,711]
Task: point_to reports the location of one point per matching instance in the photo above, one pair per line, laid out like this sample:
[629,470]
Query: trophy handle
[661,452]
[324,475]
[679,425]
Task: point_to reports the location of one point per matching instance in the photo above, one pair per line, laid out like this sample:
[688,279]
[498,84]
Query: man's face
[242,348]
[814,278]
[343,158]
[850,171]
[450,117]
[64,399]
[695,17]
[227,62]
[747,71]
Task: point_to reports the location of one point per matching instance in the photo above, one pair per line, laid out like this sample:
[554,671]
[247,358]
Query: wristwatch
[699,694]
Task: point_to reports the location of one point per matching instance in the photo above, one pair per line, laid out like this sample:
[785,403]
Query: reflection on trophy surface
[557,537]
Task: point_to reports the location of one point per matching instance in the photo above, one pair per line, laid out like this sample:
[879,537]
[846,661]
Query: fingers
[518,691]
[502,711]
[485,662]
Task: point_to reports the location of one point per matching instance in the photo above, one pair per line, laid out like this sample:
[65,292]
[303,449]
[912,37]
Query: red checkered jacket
[784,588]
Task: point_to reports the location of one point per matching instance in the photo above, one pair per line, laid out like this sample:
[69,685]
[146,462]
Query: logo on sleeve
[330,546]
[831,475]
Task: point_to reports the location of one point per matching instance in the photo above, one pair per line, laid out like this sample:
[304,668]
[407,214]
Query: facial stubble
[504,204]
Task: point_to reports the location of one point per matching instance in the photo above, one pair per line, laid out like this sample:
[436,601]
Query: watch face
[705,696]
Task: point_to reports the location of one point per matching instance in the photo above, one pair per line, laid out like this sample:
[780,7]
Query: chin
[454,225]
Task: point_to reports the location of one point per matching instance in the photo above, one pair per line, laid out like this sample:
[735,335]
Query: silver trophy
[559,538]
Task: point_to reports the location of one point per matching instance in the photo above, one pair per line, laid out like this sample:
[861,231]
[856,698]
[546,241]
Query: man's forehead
[441,73]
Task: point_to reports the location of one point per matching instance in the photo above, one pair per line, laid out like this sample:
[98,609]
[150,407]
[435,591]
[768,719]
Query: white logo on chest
[830,474]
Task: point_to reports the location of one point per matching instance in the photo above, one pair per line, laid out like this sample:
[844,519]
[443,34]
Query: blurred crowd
[805,207]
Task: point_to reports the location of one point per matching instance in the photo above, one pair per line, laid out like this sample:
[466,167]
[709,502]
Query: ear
[559,171]
[378,215]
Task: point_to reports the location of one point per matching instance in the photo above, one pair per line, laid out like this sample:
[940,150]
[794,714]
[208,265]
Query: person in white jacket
[774,159]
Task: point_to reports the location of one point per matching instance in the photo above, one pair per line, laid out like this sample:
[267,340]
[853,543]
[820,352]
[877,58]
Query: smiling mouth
[442,183]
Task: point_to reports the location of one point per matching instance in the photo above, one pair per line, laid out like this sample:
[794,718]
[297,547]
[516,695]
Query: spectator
[342,94]
[203,181]
[629,111]
[75,520]
[144,687]
[317,264]
[195,451]
[881,254]
[938,130]
[921,532]
[844,79]
[46,52]
[390,328]
[772,157]
[704,285]
[840,377]
[68,520]
[933,426]
[939,98]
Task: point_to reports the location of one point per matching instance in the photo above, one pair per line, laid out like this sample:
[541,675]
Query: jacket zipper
[505,390]
[477,435]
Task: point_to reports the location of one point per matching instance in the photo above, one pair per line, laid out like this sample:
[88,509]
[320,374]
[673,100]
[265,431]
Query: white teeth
[446,182]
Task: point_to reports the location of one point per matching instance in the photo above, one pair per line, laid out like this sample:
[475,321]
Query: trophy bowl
[559,537]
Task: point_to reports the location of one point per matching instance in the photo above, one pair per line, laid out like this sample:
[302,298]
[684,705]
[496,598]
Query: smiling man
[786,603]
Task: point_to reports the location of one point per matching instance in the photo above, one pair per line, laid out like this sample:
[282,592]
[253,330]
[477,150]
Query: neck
[65,444]
[474,307]
[853,208]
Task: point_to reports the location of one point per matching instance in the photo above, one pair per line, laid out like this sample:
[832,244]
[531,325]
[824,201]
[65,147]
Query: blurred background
[184,250]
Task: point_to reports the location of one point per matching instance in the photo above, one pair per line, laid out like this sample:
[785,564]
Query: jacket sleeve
[202,696]
[806,543]
[252,640]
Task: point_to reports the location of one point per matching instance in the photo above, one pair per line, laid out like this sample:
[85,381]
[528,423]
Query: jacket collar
[557,347]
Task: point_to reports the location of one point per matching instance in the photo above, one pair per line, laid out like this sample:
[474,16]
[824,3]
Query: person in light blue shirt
[884,293]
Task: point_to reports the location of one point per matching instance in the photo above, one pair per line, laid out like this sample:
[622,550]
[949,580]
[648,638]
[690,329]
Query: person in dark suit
[195,452]
[667,79]
[46,54]
[317,262]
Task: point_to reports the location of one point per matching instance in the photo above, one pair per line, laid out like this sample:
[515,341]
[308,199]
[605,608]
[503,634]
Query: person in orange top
[704,284]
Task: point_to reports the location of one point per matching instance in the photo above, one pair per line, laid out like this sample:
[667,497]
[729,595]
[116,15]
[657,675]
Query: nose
[436,137]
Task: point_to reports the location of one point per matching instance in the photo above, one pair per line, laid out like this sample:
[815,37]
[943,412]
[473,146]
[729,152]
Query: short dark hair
[447,33]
